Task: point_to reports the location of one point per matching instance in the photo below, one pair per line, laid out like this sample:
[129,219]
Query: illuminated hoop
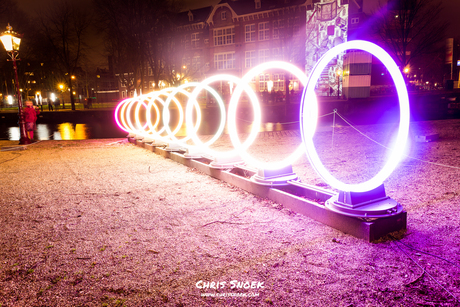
[130,105]
[309,117]
[156,97]
[167,115]
[241,148]
[188,114]
[118,114]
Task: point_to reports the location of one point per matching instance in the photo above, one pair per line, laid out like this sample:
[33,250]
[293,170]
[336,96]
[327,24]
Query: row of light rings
[308,115]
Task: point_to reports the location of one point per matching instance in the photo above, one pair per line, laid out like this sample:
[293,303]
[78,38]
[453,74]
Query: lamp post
[11,41]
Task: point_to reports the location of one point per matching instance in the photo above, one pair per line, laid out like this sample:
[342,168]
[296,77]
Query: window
[223,15]
[277,26]
[224,61]
[196,60]
[264,31]
[150,71]
[195,40]
[355,20]
[264,55]
[190,16]
[257,4]
[277,54]
[249,59]
[330,30]
[278,82]
[250,33]
[224,36]
[263,79]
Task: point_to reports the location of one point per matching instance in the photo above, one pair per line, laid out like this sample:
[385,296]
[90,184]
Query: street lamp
[11,41]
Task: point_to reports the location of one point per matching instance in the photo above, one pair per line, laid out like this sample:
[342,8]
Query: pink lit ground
[99,223]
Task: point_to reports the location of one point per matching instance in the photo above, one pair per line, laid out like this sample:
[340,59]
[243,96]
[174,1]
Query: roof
[199,15]
[243,7]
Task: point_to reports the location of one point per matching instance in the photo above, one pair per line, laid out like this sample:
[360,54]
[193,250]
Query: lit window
[250,33]
[264,55]
[224,61]
[263,79]
[264,31]
[195,40]
[277,26]
[249,59]
[196,61]
[278,82]
[224,36]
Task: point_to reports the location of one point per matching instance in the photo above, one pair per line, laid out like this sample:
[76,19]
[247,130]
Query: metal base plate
[373,209]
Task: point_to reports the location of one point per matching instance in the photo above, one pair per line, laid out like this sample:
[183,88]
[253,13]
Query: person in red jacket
[30,117]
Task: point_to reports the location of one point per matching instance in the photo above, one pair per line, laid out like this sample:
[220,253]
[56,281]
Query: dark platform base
[299,197]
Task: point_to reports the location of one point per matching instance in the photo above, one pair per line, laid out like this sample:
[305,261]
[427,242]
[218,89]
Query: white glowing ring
[188,113]
[166,113]
[130,124]
[123,116]
[137,119]
[153,97]
[241,148]
[152,127]
[118,114]
[309,117]
[156,97]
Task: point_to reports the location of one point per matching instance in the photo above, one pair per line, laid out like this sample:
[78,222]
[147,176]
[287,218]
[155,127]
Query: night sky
[451,9]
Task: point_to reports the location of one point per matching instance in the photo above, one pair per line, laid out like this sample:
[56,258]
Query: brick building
[234,36]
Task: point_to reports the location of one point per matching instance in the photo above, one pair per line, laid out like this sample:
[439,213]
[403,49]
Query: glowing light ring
[123,118]
[141,130]
[166,113]
[152,97]
[188,113]
[309,117]
[241,148]
[257,115]
[130,124]
[118,115]
[155,97]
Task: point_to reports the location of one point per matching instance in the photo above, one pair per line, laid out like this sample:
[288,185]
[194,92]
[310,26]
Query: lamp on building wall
[11,41]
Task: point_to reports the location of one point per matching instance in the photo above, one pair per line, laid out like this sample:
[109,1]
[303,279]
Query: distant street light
[11,41]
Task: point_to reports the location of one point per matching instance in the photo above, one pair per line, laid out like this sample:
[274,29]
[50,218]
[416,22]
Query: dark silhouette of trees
[137,33]
[64,29]
[410,29]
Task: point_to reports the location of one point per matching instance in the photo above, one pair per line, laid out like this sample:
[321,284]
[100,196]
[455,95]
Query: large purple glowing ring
[309,117]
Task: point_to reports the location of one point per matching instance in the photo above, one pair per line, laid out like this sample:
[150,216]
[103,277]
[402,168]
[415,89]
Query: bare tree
[137,37]
[410,29]
[65,27]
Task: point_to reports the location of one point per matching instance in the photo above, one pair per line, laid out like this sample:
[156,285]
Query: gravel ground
[106,223]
